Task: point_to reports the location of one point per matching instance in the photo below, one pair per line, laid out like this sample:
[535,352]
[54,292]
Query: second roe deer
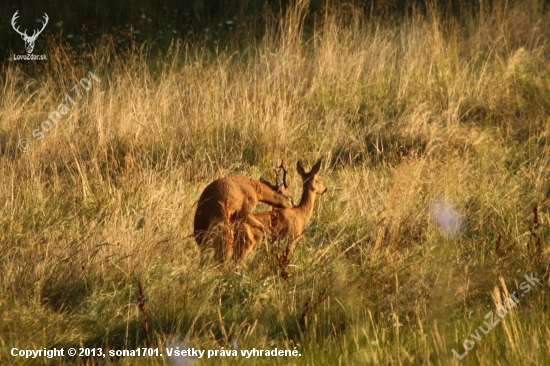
[282,222]
[229,201]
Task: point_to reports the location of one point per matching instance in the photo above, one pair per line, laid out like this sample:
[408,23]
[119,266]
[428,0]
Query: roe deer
[231,200]
[282,222]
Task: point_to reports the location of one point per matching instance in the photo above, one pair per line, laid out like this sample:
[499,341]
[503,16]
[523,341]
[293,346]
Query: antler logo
[29,41]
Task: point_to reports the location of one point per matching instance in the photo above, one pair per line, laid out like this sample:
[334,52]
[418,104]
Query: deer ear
[316,167]
[300,168]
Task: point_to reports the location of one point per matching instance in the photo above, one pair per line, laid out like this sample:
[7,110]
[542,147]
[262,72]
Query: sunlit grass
[434,135]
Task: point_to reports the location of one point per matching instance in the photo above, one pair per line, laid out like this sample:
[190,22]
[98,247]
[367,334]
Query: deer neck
[305,207]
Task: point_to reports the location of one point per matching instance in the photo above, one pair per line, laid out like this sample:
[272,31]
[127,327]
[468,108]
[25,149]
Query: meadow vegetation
[434,131]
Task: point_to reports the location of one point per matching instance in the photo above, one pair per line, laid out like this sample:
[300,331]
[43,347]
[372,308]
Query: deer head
[281,186]
[312,180]
[29,41]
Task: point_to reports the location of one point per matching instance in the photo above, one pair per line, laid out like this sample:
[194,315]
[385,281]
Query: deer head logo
[29,41]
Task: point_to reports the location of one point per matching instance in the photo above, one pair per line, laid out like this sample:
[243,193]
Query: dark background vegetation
[158,22]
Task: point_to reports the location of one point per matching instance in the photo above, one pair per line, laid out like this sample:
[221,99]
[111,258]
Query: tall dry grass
[436,131]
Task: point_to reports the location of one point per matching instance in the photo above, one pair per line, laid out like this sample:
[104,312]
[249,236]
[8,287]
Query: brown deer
[229,201]
[282,222]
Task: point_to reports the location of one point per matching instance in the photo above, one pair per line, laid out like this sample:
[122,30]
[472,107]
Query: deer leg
[241,240]
[253,237]
[229,244]
[247,239]
[228,241]
[252,221]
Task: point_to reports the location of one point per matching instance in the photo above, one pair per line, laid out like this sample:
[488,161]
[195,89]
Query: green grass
[407,115]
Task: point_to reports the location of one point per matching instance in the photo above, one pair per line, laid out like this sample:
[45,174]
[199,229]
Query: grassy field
[435,136]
